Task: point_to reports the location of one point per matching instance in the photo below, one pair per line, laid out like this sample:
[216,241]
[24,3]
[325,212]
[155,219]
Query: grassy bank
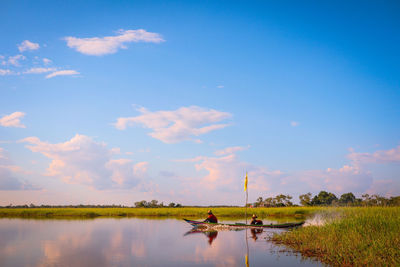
[351,237]
[149,212]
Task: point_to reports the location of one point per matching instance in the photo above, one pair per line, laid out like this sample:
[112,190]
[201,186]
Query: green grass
[233,212]
[351,237]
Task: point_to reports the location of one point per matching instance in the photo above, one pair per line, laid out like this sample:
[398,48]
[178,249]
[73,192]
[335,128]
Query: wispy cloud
[46,61]
[28,45]
[13,120]
[98,46]
[8,173]
[81,160]
[4,72]
[15,60]
[294,123]
[230,150]
[380,156]
[62,73]
[39,70]
[177,125]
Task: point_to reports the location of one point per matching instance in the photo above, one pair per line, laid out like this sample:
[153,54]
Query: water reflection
[130,242]
[210,234]
[255,233]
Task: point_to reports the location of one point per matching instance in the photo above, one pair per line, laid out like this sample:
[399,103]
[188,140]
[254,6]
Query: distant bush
[154,204]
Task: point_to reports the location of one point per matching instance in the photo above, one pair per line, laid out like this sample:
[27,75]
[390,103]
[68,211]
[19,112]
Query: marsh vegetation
[361,236]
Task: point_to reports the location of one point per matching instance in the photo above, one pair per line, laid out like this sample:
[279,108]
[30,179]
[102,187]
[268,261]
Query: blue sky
[119,101]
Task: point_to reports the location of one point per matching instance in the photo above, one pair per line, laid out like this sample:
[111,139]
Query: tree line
[328,199]
[64,206]
[154,204]
[139,204]
[323,198]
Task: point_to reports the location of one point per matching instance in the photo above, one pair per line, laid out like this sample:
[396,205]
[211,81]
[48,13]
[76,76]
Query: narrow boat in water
[242,225]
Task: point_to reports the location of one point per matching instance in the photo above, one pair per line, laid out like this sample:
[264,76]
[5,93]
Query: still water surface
[134,242]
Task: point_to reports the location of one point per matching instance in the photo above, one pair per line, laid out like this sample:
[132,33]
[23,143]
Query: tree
[347,199]
[153,203]
[283,200]
[324,198]
[375,200]
[171,205]
[259,202]
[305,199]
[366,200]
[269,202]
[381,201]
[142,204]
[394,201]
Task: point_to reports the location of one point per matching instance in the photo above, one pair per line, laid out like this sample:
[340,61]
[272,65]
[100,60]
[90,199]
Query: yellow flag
[247,261]
[245,183]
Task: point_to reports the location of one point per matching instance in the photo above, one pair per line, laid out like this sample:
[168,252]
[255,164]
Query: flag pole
[247,244]
[247,195]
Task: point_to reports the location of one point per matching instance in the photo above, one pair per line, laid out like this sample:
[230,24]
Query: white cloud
[294,123]
[380,156]
[84,161]
[346,179]
[355,177]
[97,46]
[230,150]
[62,73]
[178,125]
[224,180]
[14,60]
[47,61]
[28,45]
[39,70]
[225,175]
[4,72]
[13,120]
[385,188]
[220,86]
[8,171]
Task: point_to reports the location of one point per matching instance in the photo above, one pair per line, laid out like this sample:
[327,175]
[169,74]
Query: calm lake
[135,242]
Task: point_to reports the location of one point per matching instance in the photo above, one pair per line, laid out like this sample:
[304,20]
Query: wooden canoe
[242,225]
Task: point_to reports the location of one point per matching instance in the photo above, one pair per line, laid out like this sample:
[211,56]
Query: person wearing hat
[211,218]
[254,220]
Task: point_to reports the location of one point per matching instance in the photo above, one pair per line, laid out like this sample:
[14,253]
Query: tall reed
[350,237]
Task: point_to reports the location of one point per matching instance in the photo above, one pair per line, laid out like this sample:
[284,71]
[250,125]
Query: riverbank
[349,237]
[190,212]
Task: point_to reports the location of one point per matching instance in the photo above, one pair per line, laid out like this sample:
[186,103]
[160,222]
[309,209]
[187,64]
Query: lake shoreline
[349,237]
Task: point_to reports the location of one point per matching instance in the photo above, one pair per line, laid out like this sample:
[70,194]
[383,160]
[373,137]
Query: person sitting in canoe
[254,220]
[211,218]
